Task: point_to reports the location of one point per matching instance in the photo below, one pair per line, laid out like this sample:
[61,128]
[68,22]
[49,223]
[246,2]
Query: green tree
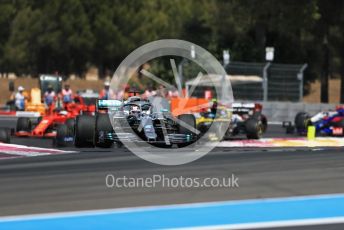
[20,49]
[7,13]
[49,37]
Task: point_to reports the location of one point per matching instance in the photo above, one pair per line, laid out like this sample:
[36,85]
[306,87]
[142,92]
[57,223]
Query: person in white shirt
[20,99]
[67,94]
[106,93]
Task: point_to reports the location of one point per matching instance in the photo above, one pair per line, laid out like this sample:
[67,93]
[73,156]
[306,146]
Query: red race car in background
[47,125]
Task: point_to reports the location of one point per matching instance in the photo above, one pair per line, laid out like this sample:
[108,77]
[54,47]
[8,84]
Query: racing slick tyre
[103,125]
[23,124]
[62,132]
[84,131]
[262,118]
[254,128]
[190,120]
[302,121]
[70,123]
[264,123]
[5,136]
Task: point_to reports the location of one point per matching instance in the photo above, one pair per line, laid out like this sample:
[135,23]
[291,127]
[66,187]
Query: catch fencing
[279,82]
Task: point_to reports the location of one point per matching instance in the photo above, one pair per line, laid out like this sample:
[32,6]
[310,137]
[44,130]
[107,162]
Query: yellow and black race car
[243,118]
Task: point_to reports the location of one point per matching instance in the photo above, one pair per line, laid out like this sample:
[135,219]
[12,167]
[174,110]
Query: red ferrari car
[64,114]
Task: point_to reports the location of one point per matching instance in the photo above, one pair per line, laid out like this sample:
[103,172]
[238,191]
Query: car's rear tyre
[23,124]
[84,131]
[264,121]
[5,136]
[254,128]
[302,121]
[103,124]
[190,120]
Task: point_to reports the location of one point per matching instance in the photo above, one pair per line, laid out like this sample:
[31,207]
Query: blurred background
[88,39]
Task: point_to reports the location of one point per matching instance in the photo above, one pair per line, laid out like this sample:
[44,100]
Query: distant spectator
[120,94]
[49,96]
[162,92]
[106,93]
[214,107]
[173,93]
[19,99]
[149,92]
[126,92]
[67,94]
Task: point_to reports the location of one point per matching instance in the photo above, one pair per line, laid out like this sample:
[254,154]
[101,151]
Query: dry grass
[334,92]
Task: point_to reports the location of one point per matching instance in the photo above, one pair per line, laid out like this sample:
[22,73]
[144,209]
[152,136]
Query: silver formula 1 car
[134,120]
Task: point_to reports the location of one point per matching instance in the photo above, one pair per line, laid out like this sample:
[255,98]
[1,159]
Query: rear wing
[54,80]
[111,105]
[246,108]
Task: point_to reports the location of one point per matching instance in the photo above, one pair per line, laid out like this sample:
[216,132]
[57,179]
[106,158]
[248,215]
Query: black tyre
[23,124]
[5,136]
[254,128]
[61,133]
[259,116]
[84,131]
[264,121]
[302,121]
[190,120]
[103,124]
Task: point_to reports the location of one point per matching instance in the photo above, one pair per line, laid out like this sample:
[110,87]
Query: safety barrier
[286,111]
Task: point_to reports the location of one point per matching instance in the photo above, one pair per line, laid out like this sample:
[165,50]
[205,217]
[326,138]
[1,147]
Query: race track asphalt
[76,181]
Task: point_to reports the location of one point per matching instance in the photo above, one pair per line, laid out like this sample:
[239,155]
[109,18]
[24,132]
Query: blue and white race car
[326,123]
